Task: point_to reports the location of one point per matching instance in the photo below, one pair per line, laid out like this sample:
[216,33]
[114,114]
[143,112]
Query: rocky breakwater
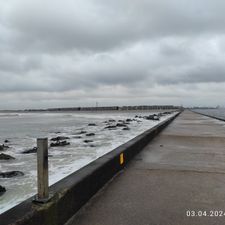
[113,124]
[154,117]
[5,157]
[3,147]
[59,141]
[11,174]
[7,174]
[89,135]
[2,190]
[31,150]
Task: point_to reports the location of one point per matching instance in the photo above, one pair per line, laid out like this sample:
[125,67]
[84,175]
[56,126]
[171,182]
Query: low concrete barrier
[72,192]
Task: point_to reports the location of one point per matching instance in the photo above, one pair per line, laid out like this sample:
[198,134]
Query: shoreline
[99,108]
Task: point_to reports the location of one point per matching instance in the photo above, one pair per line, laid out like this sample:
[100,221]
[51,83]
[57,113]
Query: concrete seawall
[72,192]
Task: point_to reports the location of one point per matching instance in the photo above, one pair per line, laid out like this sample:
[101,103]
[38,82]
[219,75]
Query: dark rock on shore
[111,121]
[59,144]
[11,174]
[121,125]
[138,116]
[31,150]
[90,134]
[5,157]
[92,124]
[6,141]
[156,117]
[129,120]
[3,147]
[165,113]
[2,190]
[110,127]
[126,128]
[88,141]
[60,138]
[152,117]
[92,146]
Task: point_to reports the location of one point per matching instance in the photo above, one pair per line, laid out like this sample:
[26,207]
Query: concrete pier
[182,169]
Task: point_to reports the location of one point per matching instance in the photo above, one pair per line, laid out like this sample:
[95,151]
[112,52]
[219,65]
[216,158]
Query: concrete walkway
[181,169]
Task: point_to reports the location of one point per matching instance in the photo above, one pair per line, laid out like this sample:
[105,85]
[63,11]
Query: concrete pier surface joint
[75,190]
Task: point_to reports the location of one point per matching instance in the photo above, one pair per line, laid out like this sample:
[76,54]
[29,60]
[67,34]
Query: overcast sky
[59,53]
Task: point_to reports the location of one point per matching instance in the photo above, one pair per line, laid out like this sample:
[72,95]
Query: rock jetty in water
[31,150]
[60,138]
[121,125]
[59,144]
[11,174]
[111,121]
[152,117]
[92,124]
[3,147]
[88,141]
[2,190]
[59,141]
[110,127]
[5,157]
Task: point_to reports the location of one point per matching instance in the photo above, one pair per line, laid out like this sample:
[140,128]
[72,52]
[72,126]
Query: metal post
[42,170]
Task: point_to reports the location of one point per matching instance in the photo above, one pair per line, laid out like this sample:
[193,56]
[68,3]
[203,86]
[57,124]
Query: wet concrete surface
[181,169]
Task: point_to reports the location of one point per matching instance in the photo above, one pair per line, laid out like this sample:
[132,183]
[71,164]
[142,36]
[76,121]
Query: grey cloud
[100,25]
[133,50]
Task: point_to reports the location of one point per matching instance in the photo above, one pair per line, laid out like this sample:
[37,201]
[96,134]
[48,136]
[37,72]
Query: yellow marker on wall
[121,159]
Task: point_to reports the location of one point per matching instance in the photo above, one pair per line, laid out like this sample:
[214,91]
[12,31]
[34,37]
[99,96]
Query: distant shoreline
[103,108]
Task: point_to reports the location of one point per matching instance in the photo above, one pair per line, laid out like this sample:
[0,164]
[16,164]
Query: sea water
[219,113]
[22,129]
